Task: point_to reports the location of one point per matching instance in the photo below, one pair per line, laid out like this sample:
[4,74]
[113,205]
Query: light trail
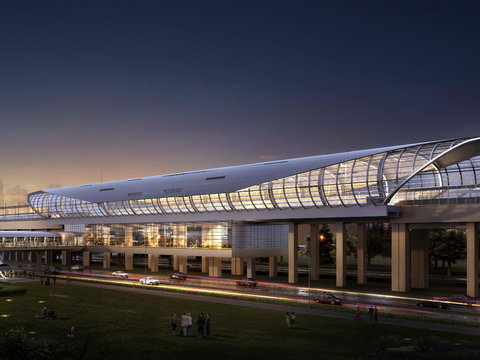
[306,290]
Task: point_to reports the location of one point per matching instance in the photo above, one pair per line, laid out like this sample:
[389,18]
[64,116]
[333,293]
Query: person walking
[208,323]
[200,325]
[184,324]
[370,313]
[54,279]
[375,314]
[189,324]
[287,319]
[357,313]
[173,323]
[292,319]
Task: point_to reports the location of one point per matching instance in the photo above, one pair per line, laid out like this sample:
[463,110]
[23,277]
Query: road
[286,292]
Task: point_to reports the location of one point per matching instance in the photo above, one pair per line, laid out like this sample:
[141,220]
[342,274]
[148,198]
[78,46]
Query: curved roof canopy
[374,176]
[209,181]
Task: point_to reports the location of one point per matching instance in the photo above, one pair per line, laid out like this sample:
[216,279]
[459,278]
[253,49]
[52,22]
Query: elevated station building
[250,211]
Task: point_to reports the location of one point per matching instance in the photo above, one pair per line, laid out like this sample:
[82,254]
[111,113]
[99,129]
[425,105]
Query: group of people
[372,313]
[186,323]
[290,319]
[46,281]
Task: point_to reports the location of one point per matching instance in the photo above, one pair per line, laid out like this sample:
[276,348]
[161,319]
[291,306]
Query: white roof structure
[434,171]
[209,181]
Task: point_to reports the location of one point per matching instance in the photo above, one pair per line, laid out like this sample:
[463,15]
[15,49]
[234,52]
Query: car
[432,303]
[327,298]
[149,281]
[178,276]
[247,282]
[76,268]
[122,274]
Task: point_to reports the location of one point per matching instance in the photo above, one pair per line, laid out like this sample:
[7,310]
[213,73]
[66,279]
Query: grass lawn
[118,325]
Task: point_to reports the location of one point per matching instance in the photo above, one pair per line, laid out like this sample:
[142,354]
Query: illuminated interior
[184,235]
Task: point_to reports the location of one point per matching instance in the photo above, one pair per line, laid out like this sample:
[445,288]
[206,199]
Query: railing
[57,243]
[18,213]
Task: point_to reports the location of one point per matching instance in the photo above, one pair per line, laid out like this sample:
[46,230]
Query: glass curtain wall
[171,235]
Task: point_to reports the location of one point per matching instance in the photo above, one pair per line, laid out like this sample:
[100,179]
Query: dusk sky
[122,89]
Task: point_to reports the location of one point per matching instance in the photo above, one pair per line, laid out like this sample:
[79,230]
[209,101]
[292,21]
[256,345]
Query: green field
[118,325]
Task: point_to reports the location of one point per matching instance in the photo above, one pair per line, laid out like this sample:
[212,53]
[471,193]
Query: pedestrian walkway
[432,326]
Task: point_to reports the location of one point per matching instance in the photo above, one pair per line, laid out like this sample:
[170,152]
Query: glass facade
[359,182]
[169,235]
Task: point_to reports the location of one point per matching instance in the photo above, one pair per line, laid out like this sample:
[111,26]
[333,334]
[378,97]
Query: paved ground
[299,310]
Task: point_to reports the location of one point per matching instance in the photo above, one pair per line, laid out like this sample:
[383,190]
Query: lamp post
[146,260]
[309,268]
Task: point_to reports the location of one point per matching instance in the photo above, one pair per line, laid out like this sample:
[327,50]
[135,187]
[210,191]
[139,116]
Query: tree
[448,245]
[378,241]
[327,245]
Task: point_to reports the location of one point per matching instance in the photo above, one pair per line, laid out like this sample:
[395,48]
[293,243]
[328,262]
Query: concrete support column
[292,253]
[251,262]
[128,261]
[341,253]
[361,253]
[66,257]
[86,258]
[237,266]
[106,260]
[400,258]
[472,259]
[205,268]
[175,262]
[272,267]
[154,263]
[149,261]
[182,264]
[419,258]
[314,252]
[215,267]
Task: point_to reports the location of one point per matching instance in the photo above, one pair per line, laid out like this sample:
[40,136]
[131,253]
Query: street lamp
[309,250]
[146,260]
[321,237]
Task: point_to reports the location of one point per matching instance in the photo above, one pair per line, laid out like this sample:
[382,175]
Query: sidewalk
[432,326]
